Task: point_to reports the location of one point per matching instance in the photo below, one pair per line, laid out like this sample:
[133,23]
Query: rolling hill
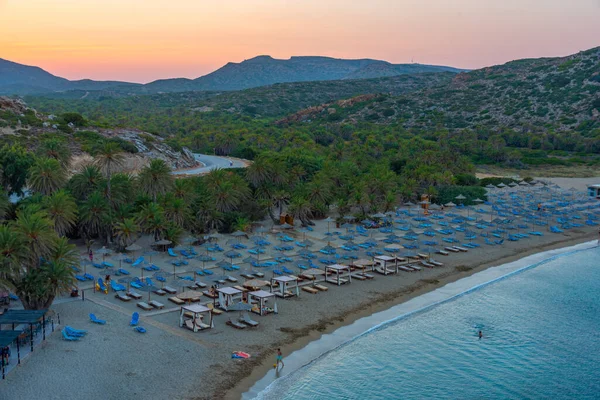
[24,79]
[258,71]
[531,94]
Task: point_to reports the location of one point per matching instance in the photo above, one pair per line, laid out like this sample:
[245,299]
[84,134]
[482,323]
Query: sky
[145,40]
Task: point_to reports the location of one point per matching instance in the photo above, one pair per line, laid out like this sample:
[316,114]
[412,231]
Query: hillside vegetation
[536,95]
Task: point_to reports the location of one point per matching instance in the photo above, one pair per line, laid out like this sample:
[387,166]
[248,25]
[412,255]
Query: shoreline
[385,301]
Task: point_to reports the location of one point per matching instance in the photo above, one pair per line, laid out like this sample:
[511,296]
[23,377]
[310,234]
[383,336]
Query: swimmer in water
[480,334]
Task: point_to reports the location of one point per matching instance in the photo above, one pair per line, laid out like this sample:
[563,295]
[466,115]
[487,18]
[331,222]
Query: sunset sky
[144,40]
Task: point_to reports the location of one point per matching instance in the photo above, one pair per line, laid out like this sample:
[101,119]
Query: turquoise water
[541,340]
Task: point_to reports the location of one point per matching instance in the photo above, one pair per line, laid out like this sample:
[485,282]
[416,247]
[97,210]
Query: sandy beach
[113,361]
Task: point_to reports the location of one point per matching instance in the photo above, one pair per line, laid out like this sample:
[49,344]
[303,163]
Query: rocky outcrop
[16,106]
[151,147]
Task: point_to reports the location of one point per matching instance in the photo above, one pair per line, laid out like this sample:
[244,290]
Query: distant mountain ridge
[258,71]
[17,78]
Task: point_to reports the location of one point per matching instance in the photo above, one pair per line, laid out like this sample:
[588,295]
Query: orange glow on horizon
[144,40]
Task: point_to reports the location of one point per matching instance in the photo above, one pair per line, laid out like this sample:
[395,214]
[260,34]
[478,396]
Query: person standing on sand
[279,359]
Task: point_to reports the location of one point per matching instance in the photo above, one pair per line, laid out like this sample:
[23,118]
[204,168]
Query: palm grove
[103,204]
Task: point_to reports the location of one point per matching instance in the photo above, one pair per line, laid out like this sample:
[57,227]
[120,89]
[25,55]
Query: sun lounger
[201,325]
[213,309]
[123,271]
[157,305]
[80,278]
[95,320]
[135,319]
[360,277]
[122,296]
[231,279]
[137,285]
[171,252]
[405,269]
[452,249]
[442,252]
[461,249]
[68,337]
[436,263]
[134,295]
[427,264]
[144,306]
[247,276]
[140,329]
[101,286]
[321,287]
[89,277]
[209,294]
[78,333]
[240,288]
[160,292]
[245,318]
[189,324]
[309,289]
[259,274]
[116,287]
[138,262]
[235,324]
[199,284]
[176,300]
[170,290]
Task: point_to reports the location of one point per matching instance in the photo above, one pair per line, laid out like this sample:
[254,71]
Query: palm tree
[108,160]
[280,199]
[12,252]
[126,232]
[64,252]
[152,219]
[182,189]
[173,233]
[38,232]
[301,209]
[259,172]
[46,176]
[94,215]
[176,210]
[226,196]
[56,149]
[87,181]
[121,187]
[4,204]
[62,210]
[155,179]
[58,276]
[210,218]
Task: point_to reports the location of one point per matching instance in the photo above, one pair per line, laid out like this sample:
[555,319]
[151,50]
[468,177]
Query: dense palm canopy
[155,179]
[62,210]
[46,176]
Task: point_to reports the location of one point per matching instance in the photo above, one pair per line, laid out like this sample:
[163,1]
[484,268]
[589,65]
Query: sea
[540,320]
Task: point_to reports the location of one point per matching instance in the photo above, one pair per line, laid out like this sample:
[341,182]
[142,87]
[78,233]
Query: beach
[114,361]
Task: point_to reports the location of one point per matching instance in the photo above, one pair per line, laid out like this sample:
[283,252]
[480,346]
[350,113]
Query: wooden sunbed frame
[309,289]
[144,306]
[236,324]
[122,296]
[134,295]
[157,305]
[176,300]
